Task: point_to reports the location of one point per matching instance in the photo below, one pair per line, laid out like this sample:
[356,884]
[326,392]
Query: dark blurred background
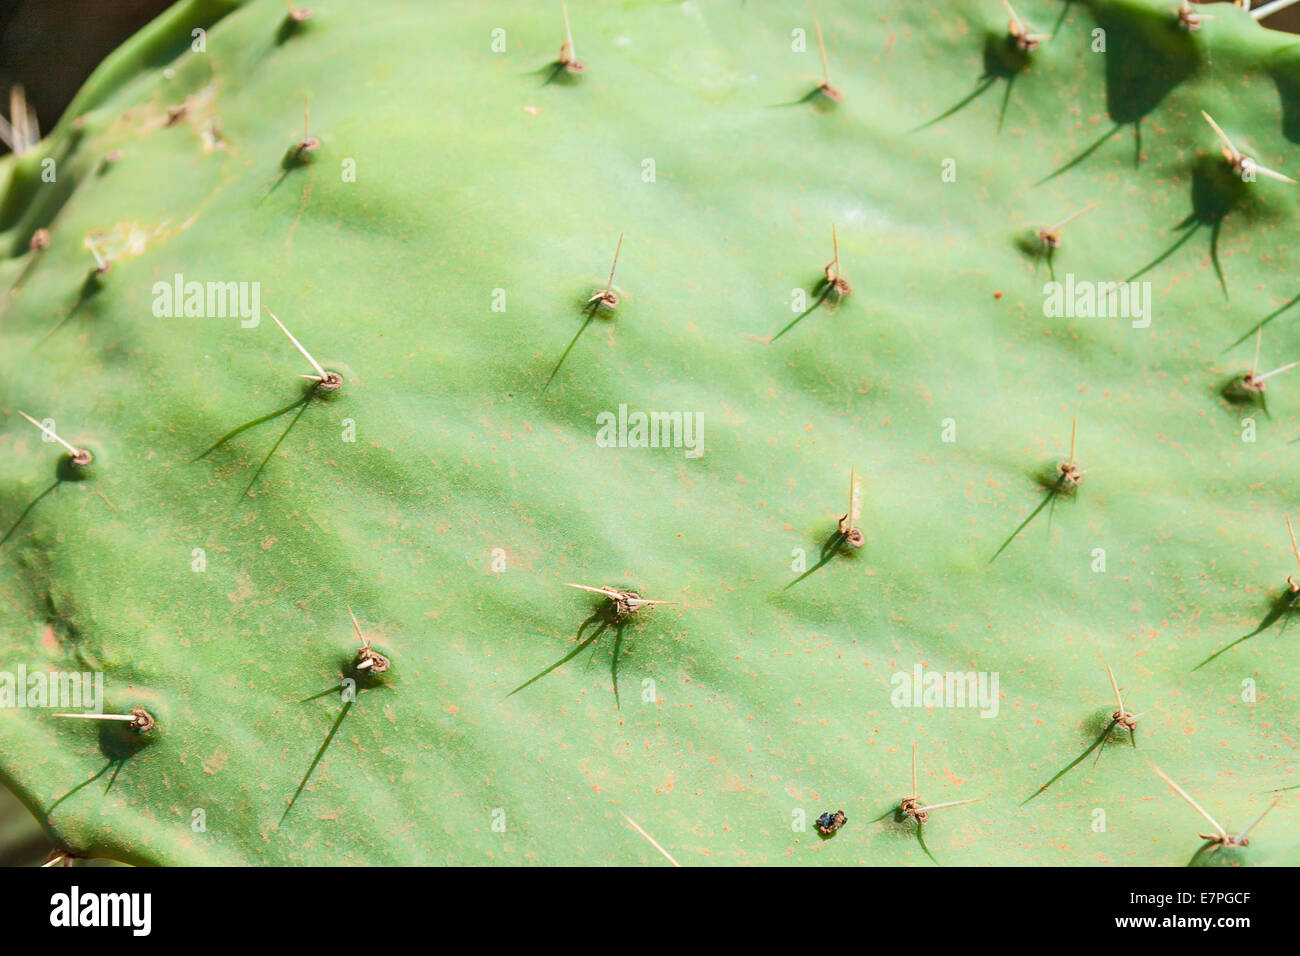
[50,47]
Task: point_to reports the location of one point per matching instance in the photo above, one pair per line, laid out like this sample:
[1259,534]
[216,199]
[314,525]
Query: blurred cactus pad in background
[833,311]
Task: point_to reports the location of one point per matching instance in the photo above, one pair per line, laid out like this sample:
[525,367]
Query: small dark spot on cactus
[911,807]
[1125,720]
[1247,389]
[1189,19]
[371,661]
[1070,474]
[1025,41]
[1217,189]
[40,240]
[563,73]
[830,92]
[294,21]
[177,113]
[1032,245]
[108,162]
[1004,58]
[299,154]
[121,741]
[82,459]
[828,823]
[1054,480]
[1050,236]
[1096,722]
[74,467]
[622,605]
[1022,37]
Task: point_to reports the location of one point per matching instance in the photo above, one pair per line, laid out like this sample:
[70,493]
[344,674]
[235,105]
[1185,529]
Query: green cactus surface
[436,238]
